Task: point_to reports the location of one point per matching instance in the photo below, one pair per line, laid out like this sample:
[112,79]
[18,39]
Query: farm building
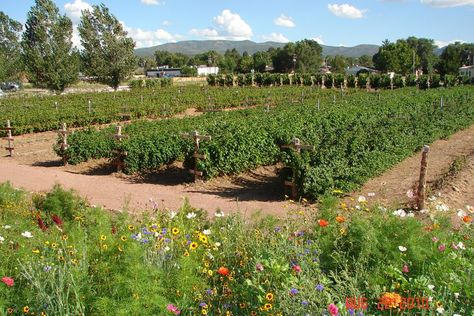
[203,70]
[359,69]
[163,72]
[467,71]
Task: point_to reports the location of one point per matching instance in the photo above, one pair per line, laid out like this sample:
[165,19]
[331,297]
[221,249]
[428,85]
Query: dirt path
[35,167]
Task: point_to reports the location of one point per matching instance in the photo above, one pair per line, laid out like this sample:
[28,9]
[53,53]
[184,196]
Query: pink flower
[8,281]
[173,309]
[435,239]
[259,267]
[405,269]
[296,268]
[454,246]
[332,309]
[441,247]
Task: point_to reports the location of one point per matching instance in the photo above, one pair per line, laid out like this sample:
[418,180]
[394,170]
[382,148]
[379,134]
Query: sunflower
[43,313]
[186,253]
[204,311]
[203,239]
[74,261]
[64,237]
[60,258]
[267,306]
[269,297]
[123,238]
[120,249]
[26,309]
[131,227]
[103,237]
[175,231]
[10,311]
[54,245]
[104,246]
[242,305]
[193,246]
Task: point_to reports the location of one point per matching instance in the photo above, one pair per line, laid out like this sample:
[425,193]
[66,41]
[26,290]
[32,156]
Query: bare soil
[35,167]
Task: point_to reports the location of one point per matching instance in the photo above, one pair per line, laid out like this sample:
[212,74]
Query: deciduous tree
[10,60]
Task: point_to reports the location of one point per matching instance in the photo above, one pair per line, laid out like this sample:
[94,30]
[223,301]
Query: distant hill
[196,47]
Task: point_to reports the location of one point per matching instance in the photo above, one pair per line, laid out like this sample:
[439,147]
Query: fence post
[421,194]
[9,138]
[196,138]
[297,146]
[120,154]
[64,145]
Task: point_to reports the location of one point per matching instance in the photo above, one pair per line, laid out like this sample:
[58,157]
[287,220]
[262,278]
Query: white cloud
[319,39]
[447,3]
[441,44]
[166,23]
[227,25]
[275,37]
[283,20]
[150,2]
[346,11]
[74,10]
[145,38]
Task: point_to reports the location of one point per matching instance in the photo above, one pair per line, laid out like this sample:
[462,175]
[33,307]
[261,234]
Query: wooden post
[89,106]
[196,138]
[297,147]
[120,154]
[9,138]
[421,194]
[318,104]
[302,97]
[64,145]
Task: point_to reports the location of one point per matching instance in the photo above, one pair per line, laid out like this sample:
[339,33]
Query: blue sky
[347,23]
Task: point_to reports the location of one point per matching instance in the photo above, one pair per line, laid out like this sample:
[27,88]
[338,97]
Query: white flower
[362,199]
[371,194]
[402,249]
[357,207]
[410,194]
[2,240]
[411,215]
[461,213]
[27,234]
[190,215]
[206,232]
[432,198]
[440,310]
[219,214]
[400,213]
[172,214]
[460,245]
[217,244]
[441,207]
[456,295]
[167,248]
[431,287]
[430,298]
[456,315]
[7,226]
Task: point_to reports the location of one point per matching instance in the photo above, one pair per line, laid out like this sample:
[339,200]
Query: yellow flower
[267,306]
[64,237]
[242,305]
[269,297]
[43,313]
[342,231]
[26,309]
[203,239]
[186,253]
[193,246]
[60,258]
[103,237]
[439,304]
[123,238]
[175,231]
[74,261]
[210,272]
[35,251]
[54,245]
[204,311]
[104,246]
[131,227]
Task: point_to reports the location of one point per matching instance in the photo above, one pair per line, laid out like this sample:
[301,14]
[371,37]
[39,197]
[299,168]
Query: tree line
[44,52]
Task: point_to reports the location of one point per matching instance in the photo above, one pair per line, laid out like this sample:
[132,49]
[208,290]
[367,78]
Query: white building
[467,71]
[205,70]
[163,72]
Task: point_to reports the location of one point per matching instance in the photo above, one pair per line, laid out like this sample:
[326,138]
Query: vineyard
[356,135]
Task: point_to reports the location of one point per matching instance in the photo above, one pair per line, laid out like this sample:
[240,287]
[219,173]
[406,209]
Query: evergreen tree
[47,47]
[108,54]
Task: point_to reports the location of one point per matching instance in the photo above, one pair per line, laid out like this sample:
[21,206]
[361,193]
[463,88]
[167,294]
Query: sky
[335,23]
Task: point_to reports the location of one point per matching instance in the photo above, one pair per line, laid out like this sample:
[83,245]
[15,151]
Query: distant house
[356,70]
[203,70]
[467,71]
[163,72]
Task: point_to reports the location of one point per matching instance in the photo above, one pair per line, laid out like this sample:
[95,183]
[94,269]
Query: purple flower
[203,305]
[167,240]
[277,229]
[294,291]
[47,268]
[304,303]
[164,231]
[144,241]
[351,312]
[209,292]
[259,267]
[320,287]
[360,314]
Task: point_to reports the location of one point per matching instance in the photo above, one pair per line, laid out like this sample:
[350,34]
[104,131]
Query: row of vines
[356,136]
[364,80]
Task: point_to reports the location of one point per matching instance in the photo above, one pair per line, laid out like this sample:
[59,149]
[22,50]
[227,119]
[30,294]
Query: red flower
[323,223]
[223,271]
[114,230]
[8,281]
[296,268]
[57,220]
[41,224]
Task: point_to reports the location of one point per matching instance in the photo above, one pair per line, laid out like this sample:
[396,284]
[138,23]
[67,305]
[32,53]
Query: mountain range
[196,47]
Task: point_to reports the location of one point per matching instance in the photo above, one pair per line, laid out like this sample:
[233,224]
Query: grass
[67,258]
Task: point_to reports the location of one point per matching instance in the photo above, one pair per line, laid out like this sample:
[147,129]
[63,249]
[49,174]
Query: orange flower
[223,271]
[467,219]
[390,300]
[340,219]
[323,223]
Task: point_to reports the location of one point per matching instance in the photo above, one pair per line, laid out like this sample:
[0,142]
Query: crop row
[355,138]
[44,113]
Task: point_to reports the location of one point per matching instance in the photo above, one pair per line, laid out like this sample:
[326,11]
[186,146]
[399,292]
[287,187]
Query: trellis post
[197,138]
[64,145]
[9,138]
[297,146]
[421,194]
[120,153]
